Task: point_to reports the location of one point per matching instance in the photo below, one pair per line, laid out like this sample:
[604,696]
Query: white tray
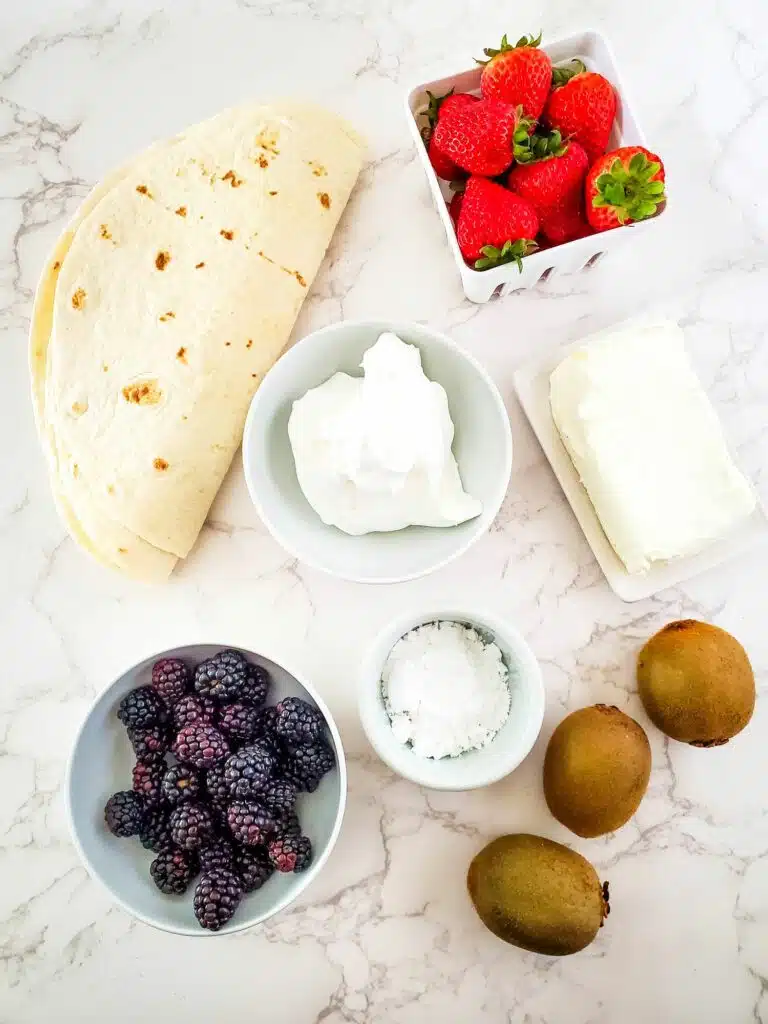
[482,285]
[532,386]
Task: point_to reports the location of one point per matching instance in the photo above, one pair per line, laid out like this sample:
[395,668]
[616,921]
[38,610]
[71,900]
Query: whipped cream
[648,445]
[373,453]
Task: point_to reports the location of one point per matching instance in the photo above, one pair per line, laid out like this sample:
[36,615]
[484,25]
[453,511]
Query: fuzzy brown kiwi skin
[701,711]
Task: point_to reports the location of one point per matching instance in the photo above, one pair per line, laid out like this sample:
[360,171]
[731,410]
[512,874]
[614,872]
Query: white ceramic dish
[477,768]
[100,764]
[480,286]
[482,447]
[532,385]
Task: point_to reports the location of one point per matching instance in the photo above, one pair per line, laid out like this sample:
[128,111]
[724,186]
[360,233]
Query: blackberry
[218,853]
[248,771]
[155,831]
[191,826]
[173,870]
[290,853]
[222,677]
[171,679]
[150,744]
[289,826]
[266,721]
[279,796]
[123,813]
[298,722]
[250,823]
[256,686]
[141,708]
[148,781]
[217,789]
[192,710]
[180,784]
[238,721]
[200,745]
[307,764]
[217,897]
[253,868]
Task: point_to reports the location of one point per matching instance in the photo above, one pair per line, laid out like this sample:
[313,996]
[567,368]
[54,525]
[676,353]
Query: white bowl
[477,768]
[482,447]
[481,285]
[100,764]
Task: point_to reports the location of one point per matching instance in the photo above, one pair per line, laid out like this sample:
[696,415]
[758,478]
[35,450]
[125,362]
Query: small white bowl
[482,446]
[477,768]
[100,764]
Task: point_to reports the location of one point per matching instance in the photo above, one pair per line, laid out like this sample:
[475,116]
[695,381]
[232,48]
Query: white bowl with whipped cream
[377,452]
[450,698]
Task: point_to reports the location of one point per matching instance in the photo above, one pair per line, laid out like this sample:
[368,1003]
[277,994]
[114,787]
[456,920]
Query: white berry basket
[481,285]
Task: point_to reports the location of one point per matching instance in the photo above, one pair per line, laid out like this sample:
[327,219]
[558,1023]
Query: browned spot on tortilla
[325,200]
[78,299]
[317,169]
[160,465]
[225,233]
[263,162]
[104,231]
[181,212]
[296,274]
[184,417]
[254,374]
[162,259]
[122,551]
[181,355]
[250,343]
[233,179]
[75,471]
[227,343]
[104,367]
[268,141]
[110,489]
[273,193]
[57,265]
[79,408]
[198,265]
[144,191]
[143,392]
[265,257]
[170,315]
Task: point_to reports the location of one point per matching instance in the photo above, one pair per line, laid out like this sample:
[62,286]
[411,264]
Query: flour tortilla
[144,361]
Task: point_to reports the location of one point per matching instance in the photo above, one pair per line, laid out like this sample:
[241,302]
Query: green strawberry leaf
[628,189]
[506,46]
[565,72]
[510,252]
[432,113]
[536,147]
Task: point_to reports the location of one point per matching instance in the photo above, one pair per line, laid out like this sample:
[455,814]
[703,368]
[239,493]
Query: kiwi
[596,770]
[537,894]
[696,683]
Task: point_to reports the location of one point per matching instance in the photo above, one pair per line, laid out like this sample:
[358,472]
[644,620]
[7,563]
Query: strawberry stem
[531,41]
[510,252]
[631,192]
[536,147]
[565,72]
[432,113]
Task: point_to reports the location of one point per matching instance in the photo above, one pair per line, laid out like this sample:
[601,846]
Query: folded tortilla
[161,308]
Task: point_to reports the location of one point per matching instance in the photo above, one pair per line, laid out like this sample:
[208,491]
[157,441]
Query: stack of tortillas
[163,305]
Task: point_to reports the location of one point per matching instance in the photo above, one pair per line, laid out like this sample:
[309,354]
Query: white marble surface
[387,935]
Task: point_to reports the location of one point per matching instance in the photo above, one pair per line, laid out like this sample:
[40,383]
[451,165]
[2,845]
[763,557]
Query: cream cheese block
[648,445]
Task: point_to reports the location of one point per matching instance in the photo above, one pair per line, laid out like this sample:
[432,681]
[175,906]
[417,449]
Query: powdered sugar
[445,688]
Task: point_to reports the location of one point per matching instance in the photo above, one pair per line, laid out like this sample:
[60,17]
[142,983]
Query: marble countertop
[386,934]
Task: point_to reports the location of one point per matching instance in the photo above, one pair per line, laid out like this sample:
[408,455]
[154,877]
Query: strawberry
[624,186]
[555,186]
[443,166]
[495,225]
[454,207]
[520,74]
[584,110]
[480,137]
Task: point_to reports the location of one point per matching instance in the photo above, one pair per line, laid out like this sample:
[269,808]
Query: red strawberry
[520,74]
[479,137]
[555,186]
[443,166]
[584,110]
[624,186]
[495,225]
[454,207]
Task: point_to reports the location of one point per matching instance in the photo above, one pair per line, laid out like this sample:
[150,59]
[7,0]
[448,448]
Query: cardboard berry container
[482,285]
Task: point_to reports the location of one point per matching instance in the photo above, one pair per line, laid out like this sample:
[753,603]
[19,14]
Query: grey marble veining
[386,934]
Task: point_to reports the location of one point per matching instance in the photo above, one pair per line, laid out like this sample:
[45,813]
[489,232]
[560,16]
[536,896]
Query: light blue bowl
[101,763]
[482,447]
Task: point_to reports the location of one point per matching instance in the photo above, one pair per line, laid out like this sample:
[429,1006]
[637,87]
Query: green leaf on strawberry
[506,46]
[539,147]
[510,252]
[565,72]
[630,191]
